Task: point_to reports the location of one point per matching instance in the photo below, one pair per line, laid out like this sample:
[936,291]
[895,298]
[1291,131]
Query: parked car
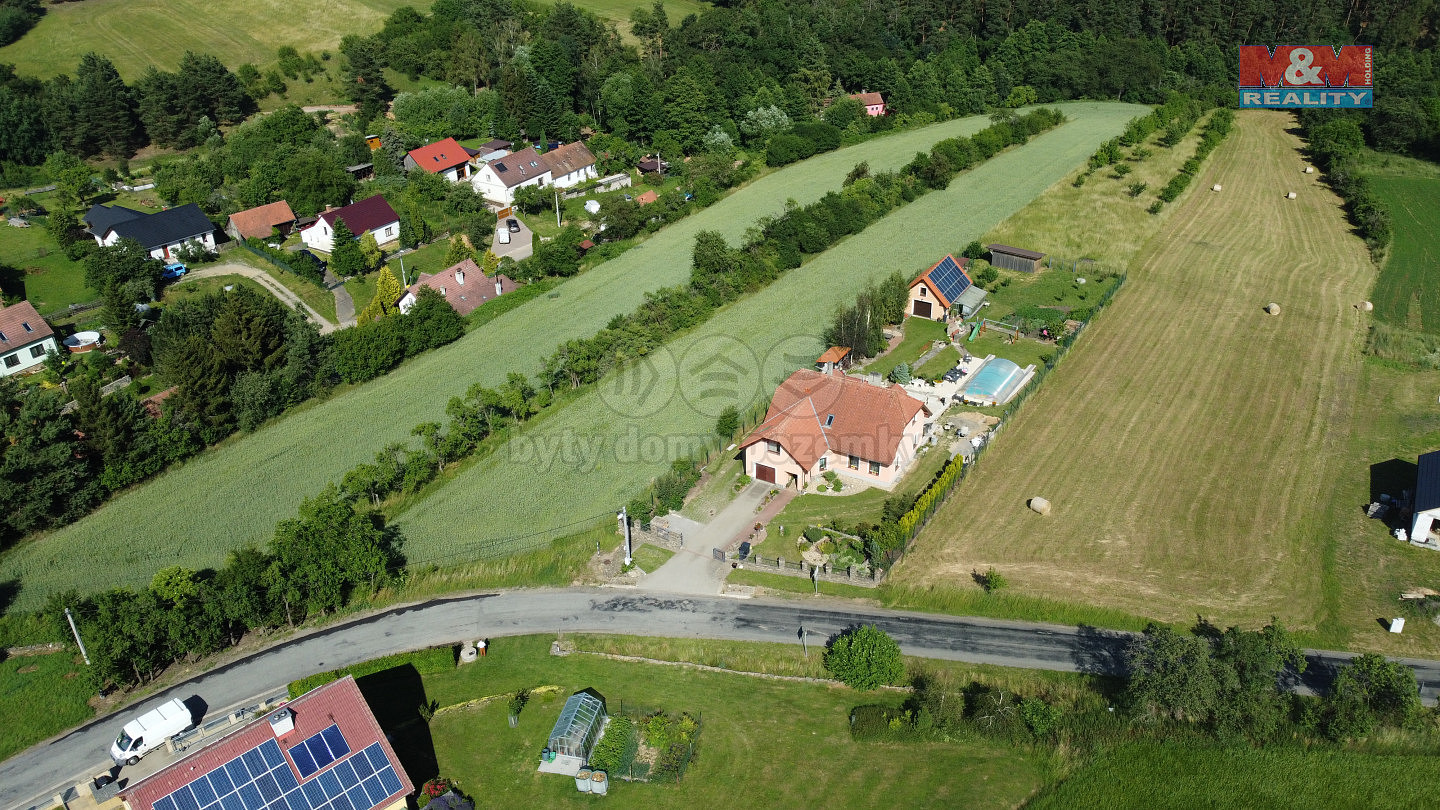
[174,270]
[744,551]
[513,224]
[503,237]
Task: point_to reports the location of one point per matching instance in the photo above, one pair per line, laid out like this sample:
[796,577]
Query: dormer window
[26,324]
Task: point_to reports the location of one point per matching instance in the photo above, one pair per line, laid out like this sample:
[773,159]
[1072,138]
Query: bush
[615,752]
[865,658]
[992,580]
[814,534]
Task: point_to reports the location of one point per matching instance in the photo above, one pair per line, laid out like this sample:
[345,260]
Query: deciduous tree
[865,658]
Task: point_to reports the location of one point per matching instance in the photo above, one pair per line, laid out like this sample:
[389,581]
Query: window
[854,462]
[923,293]
[389,230]
[822,462]
[26,325]
[829,419]
[874,468]
[37,351]
[2,336]
[772,446]
[12,360]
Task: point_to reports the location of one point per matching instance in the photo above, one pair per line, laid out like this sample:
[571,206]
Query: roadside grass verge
[970,600]
[648,558]
[41,695]
[804,587]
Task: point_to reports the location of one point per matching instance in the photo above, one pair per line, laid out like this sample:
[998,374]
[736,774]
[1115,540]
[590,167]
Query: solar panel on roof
[204,794]
[232,802]
[949,279]
[250,796]
[220,781]
[336,741]
[270,750]
[389,780]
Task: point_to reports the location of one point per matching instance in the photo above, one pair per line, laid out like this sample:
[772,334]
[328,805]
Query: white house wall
[26,356]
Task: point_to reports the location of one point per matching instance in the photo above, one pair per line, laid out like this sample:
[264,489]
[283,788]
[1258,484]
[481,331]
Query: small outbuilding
[834,359]
[1427,497]
[575,732]
[1014,258]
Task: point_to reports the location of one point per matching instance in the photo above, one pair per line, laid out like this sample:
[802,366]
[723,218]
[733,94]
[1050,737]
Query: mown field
[601,449]
[1190,443]
[235,494]
[1407,293]
[1188,776]
[135,34]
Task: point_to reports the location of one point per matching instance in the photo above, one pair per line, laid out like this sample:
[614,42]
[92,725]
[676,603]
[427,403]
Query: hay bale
[1366,306]
[1040,505]
[1309,169]
[1290,196]
[1272,308]
[1215,187]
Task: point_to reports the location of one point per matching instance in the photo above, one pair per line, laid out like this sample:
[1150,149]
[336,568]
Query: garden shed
[575,733]
[1427,497]
[1014,258]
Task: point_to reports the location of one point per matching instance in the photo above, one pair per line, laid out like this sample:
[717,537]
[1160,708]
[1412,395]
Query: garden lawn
[1153,775]
[183,289]
[52,282]
[920,333]
[936,366]
[709,497]
[234,495]
[317,297]
[1407,293]
[648,557]
[760,744]
[602,448]
[1189,443]
[1022,352]
[1058,288]
[40,696]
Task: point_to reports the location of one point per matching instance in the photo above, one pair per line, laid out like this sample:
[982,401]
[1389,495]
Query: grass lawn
[799,585]
[763,743]
[1152,775]
[1408,291]
[41,695]
[717,490]
[235,495]
[320,299]
[194,287]
[649,557]
[1057,288]
[1022,352]
[1187,439]
[52,282]
[919,334]
[948,358]
[362,289]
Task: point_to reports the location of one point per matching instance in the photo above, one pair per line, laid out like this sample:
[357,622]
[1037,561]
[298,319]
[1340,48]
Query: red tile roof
[868,99]
[366,215]
[439,156]
[834,354]
[338,703]
[464,285]
[567,158]
[869,419]
[647,198]
[962,262]
[256,222]
[13,322]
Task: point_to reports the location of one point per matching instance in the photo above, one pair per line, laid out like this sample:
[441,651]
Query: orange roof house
[446,158]
[647,198]
[819,422]
[833,359]
[874,103]
[257,223]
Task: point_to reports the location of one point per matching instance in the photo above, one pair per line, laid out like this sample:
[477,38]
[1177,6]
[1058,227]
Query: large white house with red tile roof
[819,422]
[564,166]
[321,751]
[25,338]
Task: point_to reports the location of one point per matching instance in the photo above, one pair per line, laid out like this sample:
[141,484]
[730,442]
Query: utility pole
[557,206]
[625,527]
[74,630]
[803,645]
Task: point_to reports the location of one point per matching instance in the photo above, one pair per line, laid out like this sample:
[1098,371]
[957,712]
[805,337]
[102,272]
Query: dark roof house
[101,218]
[366,215]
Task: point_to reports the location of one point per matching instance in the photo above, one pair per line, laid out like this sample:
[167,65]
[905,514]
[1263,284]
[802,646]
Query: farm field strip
[1189,443]
[605,446]
[235,494]
[1408,291]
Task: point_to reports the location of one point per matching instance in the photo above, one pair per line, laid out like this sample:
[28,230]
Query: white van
[503,234]
[149,731]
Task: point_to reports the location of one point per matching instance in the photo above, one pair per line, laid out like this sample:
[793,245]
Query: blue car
[174,270]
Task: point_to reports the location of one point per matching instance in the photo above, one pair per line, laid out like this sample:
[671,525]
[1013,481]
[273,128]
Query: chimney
[460,277]
[498,291]
[282,722]
[442,290]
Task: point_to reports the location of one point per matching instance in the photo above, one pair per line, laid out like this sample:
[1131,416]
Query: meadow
[136,34]
[42,696]
[234,494]
[1407,293]
[603,448]
[1189,443]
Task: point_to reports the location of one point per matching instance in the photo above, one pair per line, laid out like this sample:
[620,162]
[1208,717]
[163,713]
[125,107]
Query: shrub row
[1215,132]
[615,752]
[1335,143]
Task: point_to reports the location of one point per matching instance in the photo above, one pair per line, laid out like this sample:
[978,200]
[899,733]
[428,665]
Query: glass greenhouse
[579,725]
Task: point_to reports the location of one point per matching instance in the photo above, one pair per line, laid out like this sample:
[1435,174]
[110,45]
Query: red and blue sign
[1300,76]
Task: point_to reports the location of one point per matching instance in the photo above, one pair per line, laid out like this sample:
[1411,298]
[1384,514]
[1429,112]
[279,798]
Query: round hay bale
[1272,308]
[1290,196]
[1215,187]
[1366,306]
[1040,505]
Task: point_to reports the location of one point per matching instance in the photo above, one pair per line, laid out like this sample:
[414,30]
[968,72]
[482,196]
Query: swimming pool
[994,383]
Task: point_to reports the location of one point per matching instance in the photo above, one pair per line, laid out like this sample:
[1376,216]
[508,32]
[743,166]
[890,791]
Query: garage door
[922,309]
[766,474]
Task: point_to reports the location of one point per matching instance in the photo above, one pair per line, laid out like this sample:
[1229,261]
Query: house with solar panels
[946,286]
[321,751]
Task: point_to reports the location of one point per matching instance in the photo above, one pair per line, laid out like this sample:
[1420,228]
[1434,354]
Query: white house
[161,234]
[563,166]
[25,338]
[372,215]
[446,158]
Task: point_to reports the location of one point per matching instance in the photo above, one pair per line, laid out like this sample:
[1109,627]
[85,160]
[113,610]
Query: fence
[669,765]
[861,575]
[283,265]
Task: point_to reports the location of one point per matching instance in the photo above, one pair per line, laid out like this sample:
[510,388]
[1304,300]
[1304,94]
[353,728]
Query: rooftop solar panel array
[261,779]
[949,279]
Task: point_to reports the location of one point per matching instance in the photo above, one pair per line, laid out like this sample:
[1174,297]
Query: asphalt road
[45,768]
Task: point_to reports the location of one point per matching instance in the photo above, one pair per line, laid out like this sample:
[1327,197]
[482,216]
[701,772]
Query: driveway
[264,279]
[694,568]
[520,246]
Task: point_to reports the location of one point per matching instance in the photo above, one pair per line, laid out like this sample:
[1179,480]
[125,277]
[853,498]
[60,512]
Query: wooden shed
[1014,258]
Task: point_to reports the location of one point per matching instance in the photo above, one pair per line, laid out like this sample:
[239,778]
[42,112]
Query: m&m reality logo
[1297,76]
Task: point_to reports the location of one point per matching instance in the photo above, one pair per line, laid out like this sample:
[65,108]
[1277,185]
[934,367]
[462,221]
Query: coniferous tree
[104,109]
[346,258]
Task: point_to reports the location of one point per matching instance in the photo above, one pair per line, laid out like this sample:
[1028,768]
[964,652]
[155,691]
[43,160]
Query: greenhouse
[575,732]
